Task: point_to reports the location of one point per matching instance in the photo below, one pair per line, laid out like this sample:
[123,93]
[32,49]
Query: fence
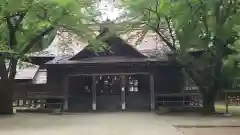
[179,100]
[232,98]
[29,95]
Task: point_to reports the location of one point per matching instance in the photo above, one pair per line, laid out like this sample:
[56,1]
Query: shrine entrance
[138,93]
[108,93]
[114,92]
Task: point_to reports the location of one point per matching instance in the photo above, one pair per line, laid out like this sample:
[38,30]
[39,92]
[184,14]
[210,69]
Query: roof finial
[104,26]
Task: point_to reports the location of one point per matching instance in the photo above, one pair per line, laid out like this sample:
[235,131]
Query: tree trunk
[6,91]
[208,103]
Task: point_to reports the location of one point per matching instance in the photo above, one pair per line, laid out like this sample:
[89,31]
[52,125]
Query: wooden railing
[189,100]
[37,96]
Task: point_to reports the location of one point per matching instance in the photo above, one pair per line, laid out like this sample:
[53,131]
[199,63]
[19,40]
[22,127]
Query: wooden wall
[168,79]
[21,89]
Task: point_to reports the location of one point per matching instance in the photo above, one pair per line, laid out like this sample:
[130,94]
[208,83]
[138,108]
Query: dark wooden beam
[65,106]
[123,91]
[94,97]
[152,92]
[101,74]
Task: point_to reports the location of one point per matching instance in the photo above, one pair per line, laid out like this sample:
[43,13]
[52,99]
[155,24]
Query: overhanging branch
[170,31]
[156,29]
[35,39]
[38,36]
[169,44]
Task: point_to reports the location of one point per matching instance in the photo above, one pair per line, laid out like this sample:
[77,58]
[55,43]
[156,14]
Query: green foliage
[39,16]
[4,48]
[47,39]
[30,25]
[97,46]
[191,25]
[23,25]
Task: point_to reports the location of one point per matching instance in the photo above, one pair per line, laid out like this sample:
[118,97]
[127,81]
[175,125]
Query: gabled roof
[118,47]
[126,44]
[150,47]
[65,40]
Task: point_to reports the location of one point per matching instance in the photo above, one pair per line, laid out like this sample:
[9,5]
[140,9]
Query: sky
[109,10]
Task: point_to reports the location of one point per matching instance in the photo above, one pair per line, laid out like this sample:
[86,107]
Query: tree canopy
[23,25]
[211,26]
[30,20]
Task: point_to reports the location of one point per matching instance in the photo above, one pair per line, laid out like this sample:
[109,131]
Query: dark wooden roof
[38,60]
[107,59]
[119,52]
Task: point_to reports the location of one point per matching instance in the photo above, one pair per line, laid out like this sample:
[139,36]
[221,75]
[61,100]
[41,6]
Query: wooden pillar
[65,104]
[226,101]
[123,92]
[152,92]
[94,98]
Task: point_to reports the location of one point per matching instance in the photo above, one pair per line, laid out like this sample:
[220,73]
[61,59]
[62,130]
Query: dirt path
[86,124]
[210,131]
[121,123]
[212,125]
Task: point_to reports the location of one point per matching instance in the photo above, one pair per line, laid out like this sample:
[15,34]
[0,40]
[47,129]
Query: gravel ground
[86,124]
[216,125]
[210,131]
[190,119]
[122,123]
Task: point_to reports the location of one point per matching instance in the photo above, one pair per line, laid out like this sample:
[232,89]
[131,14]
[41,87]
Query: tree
[24,23]
[211,26]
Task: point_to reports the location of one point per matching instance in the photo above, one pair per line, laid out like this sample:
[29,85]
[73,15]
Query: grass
[234,110]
